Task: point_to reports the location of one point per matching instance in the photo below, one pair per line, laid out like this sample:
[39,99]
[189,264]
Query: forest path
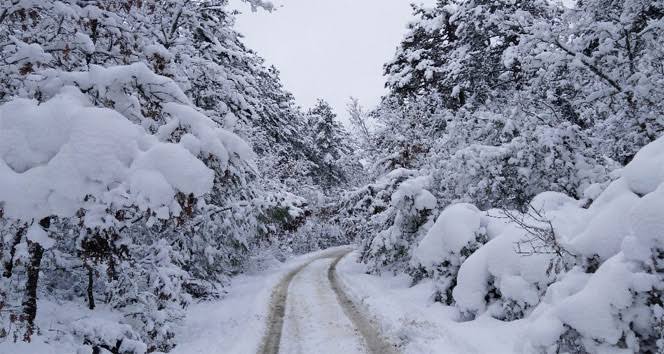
[310,313]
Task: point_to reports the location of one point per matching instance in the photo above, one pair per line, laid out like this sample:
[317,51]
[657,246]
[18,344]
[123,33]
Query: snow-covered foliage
[332,149]
[526,116]
[145,156]
[627,315]
[499,101]
[65,154]
[398,209]
[585,275]
[458,233]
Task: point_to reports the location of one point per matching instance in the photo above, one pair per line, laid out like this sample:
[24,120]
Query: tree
[359,118]
[176,80]
[330,144]
[608,52]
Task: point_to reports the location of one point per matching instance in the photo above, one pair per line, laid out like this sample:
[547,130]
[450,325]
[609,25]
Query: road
[311,313]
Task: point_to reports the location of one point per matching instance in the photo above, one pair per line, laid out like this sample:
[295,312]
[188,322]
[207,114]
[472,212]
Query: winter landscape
[162,189]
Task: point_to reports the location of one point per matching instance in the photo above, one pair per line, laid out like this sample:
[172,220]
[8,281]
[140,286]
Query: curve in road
[319,314]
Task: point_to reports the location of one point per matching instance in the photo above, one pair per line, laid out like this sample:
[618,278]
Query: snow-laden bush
[508,276]
[64,155]
[587,275]
[406,219]
[459,231]
[358,209]
[108,335]
[510,173]
[620,307]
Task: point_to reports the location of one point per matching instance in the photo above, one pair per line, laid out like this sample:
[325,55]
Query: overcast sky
[331,49]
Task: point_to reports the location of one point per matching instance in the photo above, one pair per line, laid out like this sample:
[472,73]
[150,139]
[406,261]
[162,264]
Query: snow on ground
[232,325]
[55,320]
[315,321]
[236,324]
[408,317]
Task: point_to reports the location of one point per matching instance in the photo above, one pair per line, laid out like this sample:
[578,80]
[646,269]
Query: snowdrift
[584,275]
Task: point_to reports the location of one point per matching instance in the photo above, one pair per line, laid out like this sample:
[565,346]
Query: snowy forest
[506,195]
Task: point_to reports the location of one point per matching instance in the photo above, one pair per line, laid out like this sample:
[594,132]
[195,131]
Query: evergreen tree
[178,71]
[331,147]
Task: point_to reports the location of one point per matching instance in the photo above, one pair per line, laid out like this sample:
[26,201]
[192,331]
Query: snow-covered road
[325,302]
[310,313]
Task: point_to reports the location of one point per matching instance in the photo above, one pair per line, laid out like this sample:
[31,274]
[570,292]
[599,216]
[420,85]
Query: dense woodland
[147,157]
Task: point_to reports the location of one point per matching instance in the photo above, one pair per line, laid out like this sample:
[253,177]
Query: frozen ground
[315,321]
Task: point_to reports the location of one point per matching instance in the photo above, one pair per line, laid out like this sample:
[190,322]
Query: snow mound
[109,334]
[38,235]
[617,307]
[456,227]
[646,172]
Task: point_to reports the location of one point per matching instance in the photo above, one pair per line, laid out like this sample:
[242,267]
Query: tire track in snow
[271,344]
[375,342]
[275,321]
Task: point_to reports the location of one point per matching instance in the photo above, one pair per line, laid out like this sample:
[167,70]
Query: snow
[28,52]
[417,326]
[236,324]
[53,155]
[606,229]
[624,230]
[37,235]
[646,172]
[550,201]
[497,264]
[205,135]
[109,333]
[456,227]
[416,187]
[84,42]
[592,315]
[157,49]
[179,168]
[64,326]
[647,218]
[608,307]
[110,128]
[315,322]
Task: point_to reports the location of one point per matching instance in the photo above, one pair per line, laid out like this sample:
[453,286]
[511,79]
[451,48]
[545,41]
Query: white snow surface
[409,319]
[53,155]
[456,226]
[315,321]
[236,324]
[38,235]
[646,171]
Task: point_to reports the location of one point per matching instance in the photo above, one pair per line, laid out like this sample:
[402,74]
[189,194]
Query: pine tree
[330,143]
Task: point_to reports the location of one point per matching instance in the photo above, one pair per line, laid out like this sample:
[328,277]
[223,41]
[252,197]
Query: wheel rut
[366,332]
[375,342]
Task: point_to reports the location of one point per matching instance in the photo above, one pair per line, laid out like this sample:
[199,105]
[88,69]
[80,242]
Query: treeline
[491,104]
[146,156]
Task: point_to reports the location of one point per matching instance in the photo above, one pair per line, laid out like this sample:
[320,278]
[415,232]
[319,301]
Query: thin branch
[594,69]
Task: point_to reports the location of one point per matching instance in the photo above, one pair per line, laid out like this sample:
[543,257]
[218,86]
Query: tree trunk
[9,263]
[36,252]
[91,298]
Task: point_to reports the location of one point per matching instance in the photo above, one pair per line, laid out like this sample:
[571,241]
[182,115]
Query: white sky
[332,49]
